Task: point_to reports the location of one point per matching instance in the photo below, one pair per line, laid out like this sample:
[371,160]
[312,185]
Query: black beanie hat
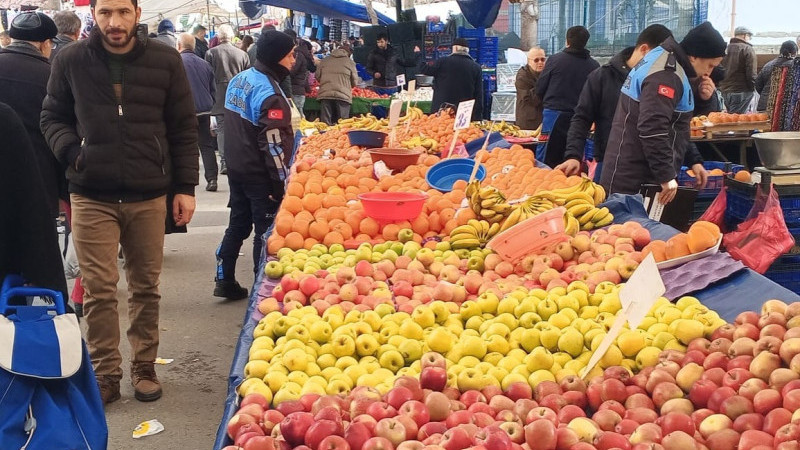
[703,41]
[33,26]
[273,46]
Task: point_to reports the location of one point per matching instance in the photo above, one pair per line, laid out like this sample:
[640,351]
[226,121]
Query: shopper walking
[200,43]
[763,84]
[166,33]
[529,105]
[24,71]
[201,79]
[69,30]
[261,147]
[337,75]
[384,64]
[456,78]
[741,69]
[119,117]
[560,87]
[227,61]
[599,97]
[303,65]
[650,133]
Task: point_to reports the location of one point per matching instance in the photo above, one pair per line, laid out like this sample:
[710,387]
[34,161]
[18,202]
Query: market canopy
[332,9]
[156,9]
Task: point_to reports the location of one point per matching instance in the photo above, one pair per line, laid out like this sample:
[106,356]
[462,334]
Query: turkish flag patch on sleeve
[275,114]
[666,91]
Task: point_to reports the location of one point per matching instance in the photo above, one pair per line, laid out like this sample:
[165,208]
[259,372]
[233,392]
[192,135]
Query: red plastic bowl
[393,206]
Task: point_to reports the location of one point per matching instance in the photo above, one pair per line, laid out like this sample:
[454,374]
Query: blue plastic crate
[473,43]
[489,42]
[740,204]
[476,33]
[786,272]
[714,184]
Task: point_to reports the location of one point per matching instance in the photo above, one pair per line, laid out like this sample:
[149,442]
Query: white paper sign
[464,115]
[401,79]
[605,344]
[412,87]
[641,291]
[394,112]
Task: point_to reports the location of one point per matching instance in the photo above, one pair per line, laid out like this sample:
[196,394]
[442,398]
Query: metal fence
[615,24]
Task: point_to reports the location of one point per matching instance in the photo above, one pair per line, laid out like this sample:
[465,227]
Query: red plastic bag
[716,211]
[763,236]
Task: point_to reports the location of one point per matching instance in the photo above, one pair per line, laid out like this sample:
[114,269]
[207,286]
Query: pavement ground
[198,331]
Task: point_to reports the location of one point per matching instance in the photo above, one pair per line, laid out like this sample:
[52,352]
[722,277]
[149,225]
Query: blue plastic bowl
[442,175]
[369,139]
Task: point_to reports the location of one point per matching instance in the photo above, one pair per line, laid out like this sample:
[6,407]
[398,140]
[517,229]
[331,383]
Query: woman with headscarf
[763,85]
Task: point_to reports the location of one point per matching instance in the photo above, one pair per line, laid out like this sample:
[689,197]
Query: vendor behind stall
[650,133]
[384,64]
[456,78]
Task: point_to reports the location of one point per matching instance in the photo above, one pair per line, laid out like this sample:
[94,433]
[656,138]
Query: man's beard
[121,43]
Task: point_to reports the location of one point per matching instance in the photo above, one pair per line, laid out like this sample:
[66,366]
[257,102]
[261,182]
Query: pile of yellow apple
[527,335]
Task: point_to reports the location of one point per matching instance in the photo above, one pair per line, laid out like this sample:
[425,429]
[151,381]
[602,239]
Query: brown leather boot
[145,383]
[109,388]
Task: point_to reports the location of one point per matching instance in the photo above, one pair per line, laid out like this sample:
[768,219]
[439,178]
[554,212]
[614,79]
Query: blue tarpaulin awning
[332,9]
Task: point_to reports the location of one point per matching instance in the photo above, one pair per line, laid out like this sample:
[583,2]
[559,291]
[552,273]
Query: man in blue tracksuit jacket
[650,134]
[259,145]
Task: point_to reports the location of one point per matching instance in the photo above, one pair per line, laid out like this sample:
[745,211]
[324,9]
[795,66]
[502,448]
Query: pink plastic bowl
[393,206]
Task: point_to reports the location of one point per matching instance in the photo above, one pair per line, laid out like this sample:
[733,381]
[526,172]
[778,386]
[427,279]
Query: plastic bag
[763,236]
[716,211]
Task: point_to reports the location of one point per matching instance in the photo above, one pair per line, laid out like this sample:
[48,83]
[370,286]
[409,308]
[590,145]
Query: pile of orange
[513,171]
[721,117]
[701,236]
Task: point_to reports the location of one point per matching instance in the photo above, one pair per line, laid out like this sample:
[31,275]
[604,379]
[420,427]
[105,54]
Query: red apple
[735,378]
[542,413]
[416,410]
[766,400]
[429,429]
[626,426]
[735,406]
[472,396]
[392,430]
[237,421]
[381,410]
[641,415]
[456,439]
[321,429]
[397,396]
[433,378]
[569,412]
[647,433]
[677,440]
[519,390]
[639,401]
[791,400]
[607,419]
[751,387]
[377,443]
[775,419]
[787,433]
[676,422]
[752,438]
[565,439]
[749,421]
[719,396]
[294,427]
[356,434]
[723,440]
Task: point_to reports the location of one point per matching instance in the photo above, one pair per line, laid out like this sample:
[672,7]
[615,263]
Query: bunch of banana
[316,125]
[571,224]
[429,144]
[413,113]
[581,206]
[476,233]
[367,122]
[526,209]
[488,203]
[507,129]
[586,189]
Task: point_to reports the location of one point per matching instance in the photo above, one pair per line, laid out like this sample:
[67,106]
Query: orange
[312,202]
[294,241]
[333,238]
[283,226]
[369,226]
[274,243]
[658,249]
[292,204]
[678,246]
[390,231]
[294,188]
[743,176]
[318,230]
[300,226]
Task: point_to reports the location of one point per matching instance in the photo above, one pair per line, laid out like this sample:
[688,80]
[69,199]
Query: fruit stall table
[359,106]
[743,142]
[749,289]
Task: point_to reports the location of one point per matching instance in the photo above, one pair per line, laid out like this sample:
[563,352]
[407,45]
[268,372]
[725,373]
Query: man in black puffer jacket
[120,118]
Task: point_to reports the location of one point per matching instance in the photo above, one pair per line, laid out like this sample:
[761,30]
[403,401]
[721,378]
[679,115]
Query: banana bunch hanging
[474,234]
[488,203]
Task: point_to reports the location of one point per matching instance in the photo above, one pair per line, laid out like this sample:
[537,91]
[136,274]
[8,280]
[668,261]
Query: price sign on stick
[412,87]
[394,117]
[637,297]
[463,118]
[401,79]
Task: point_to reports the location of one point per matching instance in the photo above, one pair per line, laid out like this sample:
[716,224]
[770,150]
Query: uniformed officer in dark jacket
[599,98]
[261,147]
[650,134]
[456,78]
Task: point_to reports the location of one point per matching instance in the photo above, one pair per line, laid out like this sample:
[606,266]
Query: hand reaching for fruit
[701,174]
[570,167]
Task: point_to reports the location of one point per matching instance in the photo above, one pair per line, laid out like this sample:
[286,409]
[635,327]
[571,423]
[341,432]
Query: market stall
[522,236]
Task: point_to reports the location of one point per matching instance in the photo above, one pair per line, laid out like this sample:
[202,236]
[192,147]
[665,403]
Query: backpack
[48,394]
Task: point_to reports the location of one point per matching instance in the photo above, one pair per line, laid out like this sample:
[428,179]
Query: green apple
[343,345]
[440,340]
[274,270]
[366,345]
[405,235]
[392,360]
[424,316]
[540,375]
[530,339]
[470,379]
[568,302]
[476,263]
[488,302]
[546,308]
[411,330]
[298,333]
[411,350]
[571,341]
[498,344]
[470,309]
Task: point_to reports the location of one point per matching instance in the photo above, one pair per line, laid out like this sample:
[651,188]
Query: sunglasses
[536,60]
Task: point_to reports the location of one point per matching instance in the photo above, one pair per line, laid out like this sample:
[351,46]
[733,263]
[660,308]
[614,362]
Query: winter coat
[337,75]
[456,78]
[201,79]
[200,47]
[740,68]
[24,72]
[167,38]
[563,78]
[597,104]
[259,142]
[764,79]
[650,134]
[58,43]
[139,148]
[227,61]
[29,246]
[529,105]
[304,63]
[252,53]
[386,62]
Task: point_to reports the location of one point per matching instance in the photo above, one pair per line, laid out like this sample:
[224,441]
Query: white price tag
[401,80]
[641,291]
[464,115]
[412,87]
[394,112]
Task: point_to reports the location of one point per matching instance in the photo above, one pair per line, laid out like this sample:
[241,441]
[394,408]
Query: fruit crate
[489,43]
[715,182]
[786,271]
[471,33]
[700,207]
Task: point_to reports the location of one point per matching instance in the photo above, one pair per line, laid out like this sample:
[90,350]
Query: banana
[576,202]
[587,217]
[607,220]
[572,226]
[599,194]
[487,213]
[580,210]
[512,219]
[463,229]
[580,195]
[601,214]
[465,243]
[494,229]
